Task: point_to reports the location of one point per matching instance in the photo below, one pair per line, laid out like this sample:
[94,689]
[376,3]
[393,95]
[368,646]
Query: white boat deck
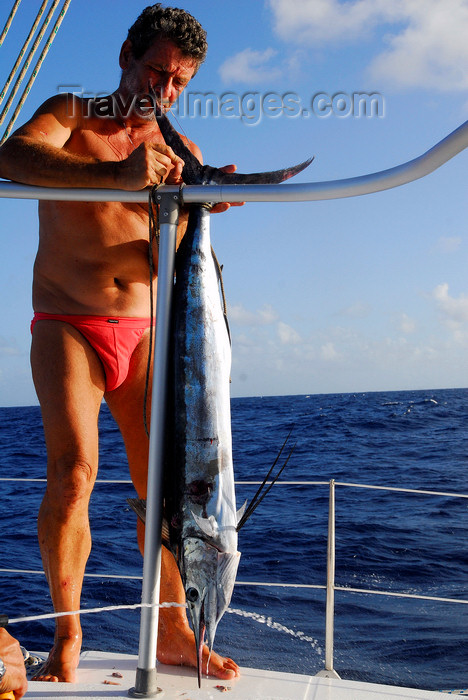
[95,680]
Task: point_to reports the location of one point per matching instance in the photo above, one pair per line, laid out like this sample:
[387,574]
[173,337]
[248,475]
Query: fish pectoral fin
[138,505]
[208,526]
[240,512]
[226,572]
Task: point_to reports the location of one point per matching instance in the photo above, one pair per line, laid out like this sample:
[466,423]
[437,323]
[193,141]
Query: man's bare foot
[62,662]
[176,647]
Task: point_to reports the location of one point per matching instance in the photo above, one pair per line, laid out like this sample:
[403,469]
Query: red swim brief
[114,340]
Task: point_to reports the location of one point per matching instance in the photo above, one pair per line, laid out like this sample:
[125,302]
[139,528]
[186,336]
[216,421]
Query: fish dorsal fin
[208,526]
[241,512]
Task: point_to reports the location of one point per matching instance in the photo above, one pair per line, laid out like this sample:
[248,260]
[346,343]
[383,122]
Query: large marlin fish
[199,498]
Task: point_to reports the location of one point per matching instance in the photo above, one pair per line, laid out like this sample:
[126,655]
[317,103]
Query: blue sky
[361,294]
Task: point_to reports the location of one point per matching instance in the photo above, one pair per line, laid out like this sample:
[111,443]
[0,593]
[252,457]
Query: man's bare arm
[24,160]
[35,155]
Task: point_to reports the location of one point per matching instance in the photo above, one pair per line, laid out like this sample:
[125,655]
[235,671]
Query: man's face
[163,68]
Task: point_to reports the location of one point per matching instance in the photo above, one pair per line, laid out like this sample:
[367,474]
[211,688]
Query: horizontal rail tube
[86,575]
[312,191]
[395,594]
[276,584]
[423,492]
[401,490]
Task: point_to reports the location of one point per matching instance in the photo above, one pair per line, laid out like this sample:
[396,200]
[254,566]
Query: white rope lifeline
[134,606]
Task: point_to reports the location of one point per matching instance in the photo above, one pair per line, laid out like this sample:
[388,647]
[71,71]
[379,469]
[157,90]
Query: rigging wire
[9,21]
[23,50]
[28,60]
[37,67]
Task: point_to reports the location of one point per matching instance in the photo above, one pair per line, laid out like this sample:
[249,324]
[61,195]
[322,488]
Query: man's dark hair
[158,22]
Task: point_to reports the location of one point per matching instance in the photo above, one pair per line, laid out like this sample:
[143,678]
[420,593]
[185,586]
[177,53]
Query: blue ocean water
[400,542]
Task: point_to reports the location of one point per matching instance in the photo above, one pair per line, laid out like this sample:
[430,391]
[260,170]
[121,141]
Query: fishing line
[153,235]
[221,284]
[178,123]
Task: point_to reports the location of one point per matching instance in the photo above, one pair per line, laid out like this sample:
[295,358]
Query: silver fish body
[200,504]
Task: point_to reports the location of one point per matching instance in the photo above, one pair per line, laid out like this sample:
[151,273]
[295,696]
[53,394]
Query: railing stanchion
[329,671]
[145,683]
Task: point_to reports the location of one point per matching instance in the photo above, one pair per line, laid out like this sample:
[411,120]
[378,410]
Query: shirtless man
[90,291]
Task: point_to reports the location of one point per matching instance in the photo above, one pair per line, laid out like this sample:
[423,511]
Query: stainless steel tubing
[145,684]
[310,191]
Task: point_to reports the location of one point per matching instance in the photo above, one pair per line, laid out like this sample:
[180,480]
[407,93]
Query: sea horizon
[305,393]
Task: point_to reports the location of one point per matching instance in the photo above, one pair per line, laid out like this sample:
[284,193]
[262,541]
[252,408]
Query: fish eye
[191,595]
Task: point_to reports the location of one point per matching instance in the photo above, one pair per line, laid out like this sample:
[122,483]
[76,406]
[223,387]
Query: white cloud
[454,311]
[328,352]
[287,335]
[262,317]
[8,347]
[320,21]
[357,310]
[448,244]
[426,39]
[432,52]
[250,66]
[340,358]
[406,324]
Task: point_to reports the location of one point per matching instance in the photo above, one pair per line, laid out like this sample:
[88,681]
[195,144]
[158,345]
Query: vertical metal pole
[145,682]
[330,612]
[329,671]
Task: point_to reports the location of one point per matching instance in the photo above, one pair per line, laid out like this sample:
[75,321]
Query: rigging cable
[153,237]
[9,21]
[37,67]
[23,50]
[28,60]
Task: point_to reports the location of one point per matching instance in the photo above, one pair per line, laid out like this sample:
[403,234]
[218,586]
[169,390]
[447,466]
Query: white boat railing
[330,587]
[402,174]
[170,198]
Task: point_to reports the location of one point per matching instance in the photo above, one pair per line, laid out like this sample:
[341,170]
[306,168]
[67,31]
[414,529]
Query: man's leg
[176,644]
[69,381]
